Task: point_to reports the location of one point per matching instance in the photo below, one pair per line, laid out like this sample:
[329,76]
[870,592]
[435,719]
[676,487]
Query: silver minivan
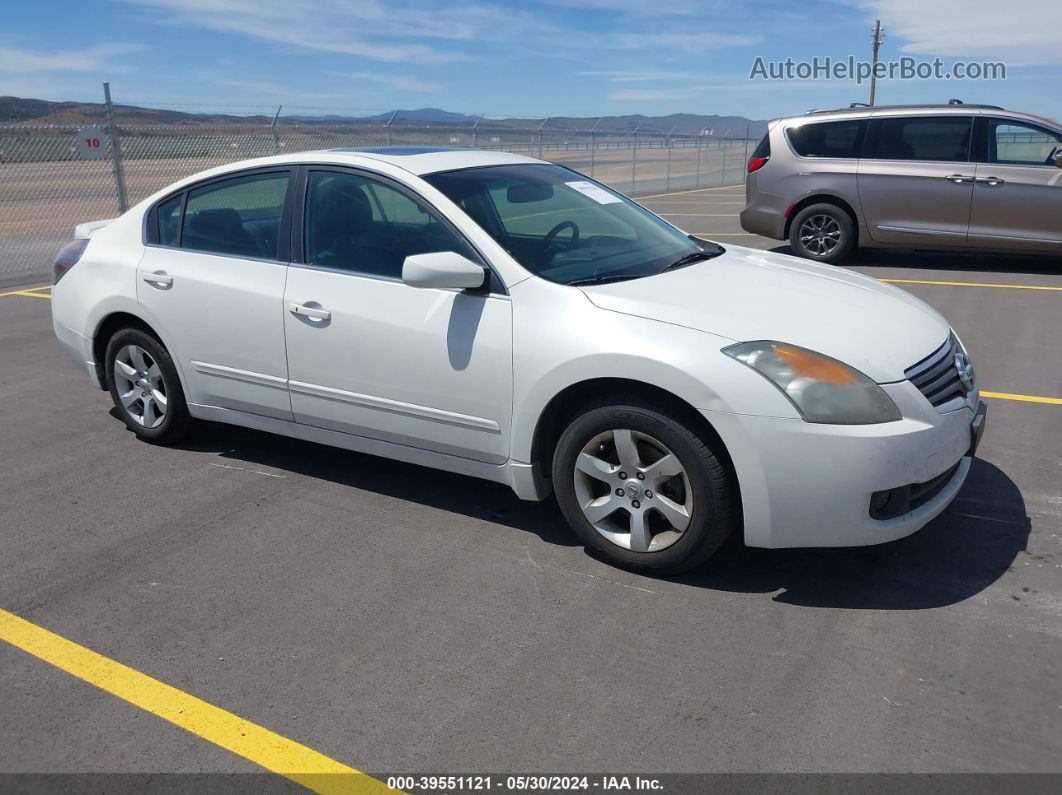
[948,177]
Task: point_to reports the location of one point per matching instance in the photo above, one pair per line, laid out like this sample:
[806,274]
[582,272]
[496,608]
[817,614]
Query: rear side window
[168,220]
[828,138]
[938,138]
[238,217]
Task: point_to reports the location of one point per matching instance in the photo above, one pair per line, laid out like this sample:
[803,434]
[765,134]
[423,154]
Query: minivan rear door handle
[958,178]
[991,180]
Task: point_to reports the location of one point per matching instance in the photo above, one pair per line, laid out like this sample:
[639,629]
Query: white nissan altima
[510,319]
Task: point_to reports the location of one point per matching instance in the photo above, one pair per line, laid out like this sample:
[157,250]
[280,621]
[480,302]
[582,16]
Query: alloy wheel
[140,386]
[820,235]
[633,490]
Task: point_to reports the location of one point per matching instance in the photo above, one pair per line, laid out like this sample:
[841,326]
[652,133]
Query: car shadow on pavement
[472,497]
[1042,265]
[956,556]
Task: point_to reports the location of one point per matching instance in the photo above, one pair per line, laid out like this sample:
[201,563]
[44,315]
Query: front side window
[1017,144]
[238,217]
[937,138]
[828,138]
[565,228]
[361,225]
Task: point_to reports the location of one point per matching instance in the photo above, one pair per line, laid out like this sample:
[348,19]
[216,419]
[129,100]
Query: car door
[1017,196]
[916,180]
[212,279]
[370,355]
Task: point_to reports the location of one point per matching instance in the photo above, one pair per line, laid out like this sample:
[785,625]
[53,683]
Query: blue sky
[531,58]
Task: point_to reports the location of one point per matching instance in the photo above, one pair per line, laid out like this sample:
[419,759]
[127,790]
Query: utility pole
[879,34]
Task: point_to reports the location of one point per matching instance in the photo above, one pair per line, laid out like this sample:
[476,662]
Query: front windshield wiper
[605,279]
[696,256]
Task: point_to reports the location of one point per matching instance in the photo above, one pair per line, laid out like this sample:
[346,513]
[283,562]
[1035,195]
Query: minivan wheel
[145,388]
[642,488]
[822,232]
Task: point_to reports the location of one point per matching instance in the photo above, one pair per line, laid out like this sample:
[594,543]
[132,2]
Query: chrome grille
[936,376]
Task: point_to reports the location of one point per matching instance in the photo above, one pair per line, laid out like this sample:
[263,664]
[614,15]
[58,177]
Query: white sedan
[509,319]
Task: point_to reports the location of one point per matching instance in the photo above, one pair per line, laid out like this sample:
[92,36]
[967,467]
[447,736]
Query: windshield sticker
[595,192]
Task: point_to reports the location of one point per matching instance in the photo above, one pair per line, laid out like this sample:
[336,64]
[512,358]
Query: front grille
[936,376]
[896,502]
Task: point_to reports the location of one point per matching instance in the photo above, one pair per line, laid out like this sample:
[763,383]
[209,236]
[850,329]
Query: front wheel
[643,488]
[823,233]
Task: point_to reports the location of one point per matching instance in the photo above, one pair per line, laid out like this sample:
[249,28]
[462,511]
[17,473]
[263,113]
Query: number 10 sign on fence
[91,144]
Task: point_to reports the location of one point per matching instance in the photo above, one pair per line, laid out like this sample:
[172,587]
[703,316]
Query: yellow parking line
[28,290]
[975,284]
[259,745]
[1024,398]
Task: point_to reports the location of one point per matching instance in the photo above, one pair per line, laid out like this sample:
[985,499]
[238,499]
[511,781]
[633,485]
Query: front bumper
[809,485]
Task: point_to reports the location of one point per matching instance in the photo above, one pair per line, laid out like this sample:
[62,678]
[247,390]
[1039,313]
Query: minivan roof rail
[858,107]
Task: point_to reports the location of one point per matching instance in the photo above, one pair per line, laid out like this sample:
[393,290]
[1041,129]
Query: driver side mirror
[446,269]
[1058,159]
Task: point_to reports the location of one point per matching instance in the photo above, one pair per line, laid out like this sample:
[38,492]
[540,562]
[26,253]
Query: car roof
[951,109]
[418,160]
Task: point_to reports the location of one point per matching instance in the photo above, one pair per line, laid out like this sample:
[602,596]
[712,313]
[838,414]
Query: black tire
[715,503]
[844,224]
[177,421]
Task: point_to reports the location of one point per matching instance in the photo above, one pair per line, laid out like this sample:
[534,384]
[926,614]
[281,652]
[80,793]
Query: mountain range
[40,111]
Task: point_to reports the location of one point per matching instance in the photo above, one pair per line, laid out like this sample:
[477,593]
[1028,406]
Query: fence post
[545,121]
[697,183]
[634,160]
[116,151]
[593,146]
[722,174]
[389,121]
[746,160]
[273,129]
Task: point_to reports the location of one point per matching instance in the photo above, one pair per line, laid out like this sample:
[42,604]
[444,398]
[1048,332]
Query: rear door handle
[159,280]
[310,312]
[958,178]
[990,180]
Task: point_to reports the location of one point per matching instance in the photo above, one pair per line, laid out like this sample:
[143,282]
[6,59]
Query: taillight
[756,163]
[67,258]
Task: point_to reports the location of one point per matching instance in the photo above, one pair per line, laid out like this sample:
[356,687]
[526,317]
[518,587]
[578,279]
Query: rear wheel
[643,488]
[145,388]
[822,232]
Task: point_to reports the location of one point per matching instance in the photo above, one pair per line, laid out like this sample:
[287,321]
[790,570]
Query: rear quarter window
[828,138]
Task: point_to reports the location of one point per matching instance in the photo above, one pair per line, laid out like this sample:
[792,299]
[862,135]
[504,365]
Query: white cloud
[621,76]
[91,59]
[365,28]
[1018,31]
[645,94]
[697,42]
[404,83]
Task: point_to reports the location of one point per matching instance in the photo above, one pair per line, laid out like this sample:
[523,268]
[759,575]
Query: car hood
[746,294]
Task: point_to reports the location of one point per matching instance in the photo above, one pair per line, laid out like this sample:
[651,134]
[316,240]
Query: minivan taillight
[67,258]
[756,163]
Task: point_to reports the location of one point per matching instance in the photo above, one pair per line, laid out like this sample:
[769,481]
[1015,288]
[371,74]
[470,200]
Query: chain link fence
[54,177]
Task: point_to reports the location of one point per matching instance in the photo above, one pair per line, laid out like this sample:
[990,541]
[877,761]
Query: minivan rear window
[828,138]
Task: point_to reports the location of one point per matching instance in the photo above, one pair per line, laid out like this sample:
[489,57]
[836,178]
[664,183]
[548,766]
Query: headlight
[822,389]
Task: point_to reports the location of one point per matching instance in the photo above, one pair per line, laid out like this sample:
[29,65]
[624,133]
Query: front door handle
[958,178]
[990,180]
[160,280]
[308,311]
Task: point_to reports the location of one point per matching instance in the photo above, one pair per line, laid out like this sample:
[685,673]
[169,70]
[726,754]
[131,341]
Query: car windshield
[566,228]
